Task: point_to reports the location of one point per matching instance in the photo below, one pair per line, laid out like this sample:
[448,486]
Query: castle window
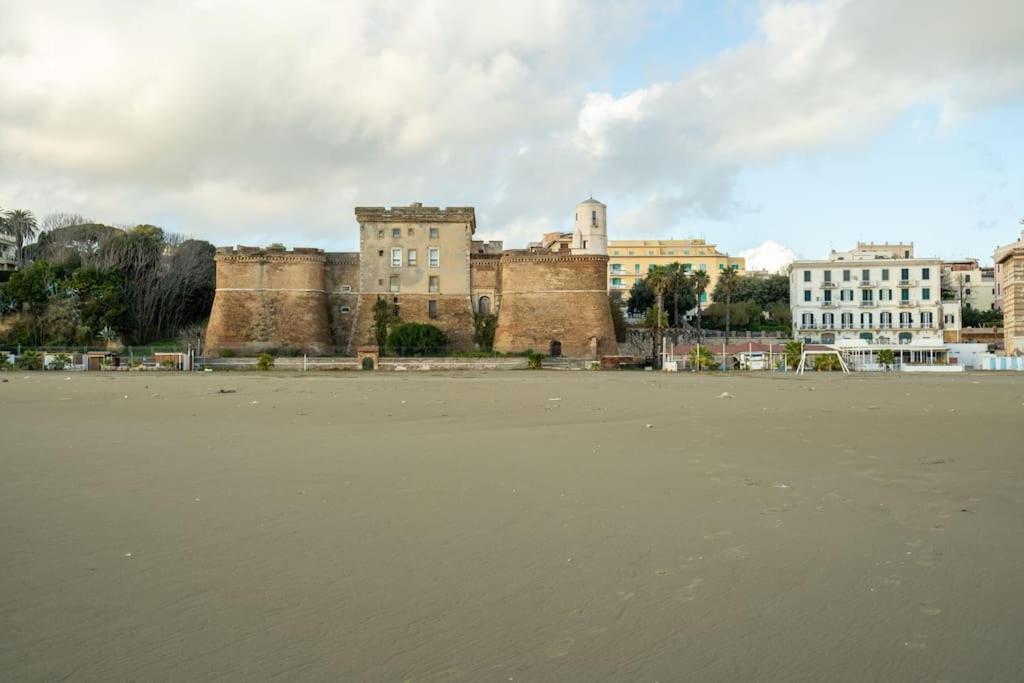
[434,257]
[411,231]
[433,233]
[346,288]
[346,309]
[432,309]
[434,284]
[396,257]
[380,234]
[393,283]
[396,233]
[380,252]
[484,305]
[412,257]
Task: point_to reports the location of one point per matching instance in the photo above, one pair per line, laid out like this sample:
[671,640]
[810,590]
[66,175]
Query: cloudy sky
[803,125]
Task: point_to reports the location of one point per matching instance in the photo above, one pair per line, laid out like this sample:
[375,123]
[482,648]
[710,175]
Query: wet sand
[469,527]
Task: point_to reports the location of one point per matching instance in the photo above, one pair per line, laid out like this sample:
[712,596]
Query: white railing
[867,302]
[907,302]
[907,283]
[828,284]
[866,283]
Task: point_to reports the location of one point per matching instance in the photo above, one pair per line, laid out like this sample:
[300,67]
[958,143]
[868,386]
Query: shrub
[168,364]
[415,339]
[227,353]
[484,327]
[794,350]
[827,363]
[60,362]
[5,364]
[368,363]
[534,360]
[264,362]
[703,359]
[29,360]
[886,358]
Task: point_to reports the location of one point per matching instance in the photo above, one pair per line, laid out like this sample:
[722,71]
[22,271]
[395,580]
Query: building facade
[425,263]
[971,283]
[630,260]
[8,254]
[1009,263]
[871,296]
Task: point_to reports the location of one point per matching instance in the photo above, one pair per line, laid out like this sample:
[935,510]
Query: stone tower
[590,232]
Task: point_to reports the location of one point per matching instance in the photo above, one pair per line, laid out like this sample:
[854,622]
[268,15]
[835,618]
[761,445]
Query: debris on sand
[227,391]
[252,403]
[725,394]
[648,426]
[554,399]
[128,555]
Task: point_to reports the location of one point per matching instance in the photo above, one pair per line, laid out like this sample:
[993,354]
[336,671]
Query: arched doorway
[484,305]
[556,349]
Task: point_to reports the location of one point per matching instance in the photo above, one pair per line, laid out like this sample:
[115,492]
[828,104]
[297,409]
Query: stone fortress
[550,297]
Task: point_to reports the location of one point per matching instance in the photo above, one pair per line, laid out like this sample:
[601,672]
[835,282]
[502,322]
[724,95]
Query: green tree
[794,350]
[700,280]
[384,316]
[31,286]
[484,327]
[728,281]
[654,321]
[886,358]
[264,362]
[21,225]
[416,339]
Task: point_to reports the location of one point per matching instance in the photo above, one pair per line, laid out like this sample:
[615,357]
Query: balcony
[866,283]
[828,304]
[868,303]
[907,283]
[906,326]
[808,326]
[885,326]
[847,326]
[926,326]
[828,284]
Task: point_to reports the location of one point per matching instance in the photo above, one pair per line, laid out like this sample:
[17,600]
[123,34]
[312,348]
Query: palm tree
[700,280]
[728,281]
[21,224]
[659,280]
[655,320]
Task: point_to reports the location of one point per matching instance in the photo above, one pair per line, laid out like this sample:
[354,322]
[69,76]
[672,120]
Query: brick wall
[548,297]
[269,299]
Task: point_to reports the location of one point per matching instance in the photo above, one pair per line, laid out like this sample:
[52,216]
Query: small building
[971,283]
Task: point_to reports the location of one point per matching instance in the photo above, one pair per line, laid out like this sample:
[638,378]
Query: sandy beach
[527,526]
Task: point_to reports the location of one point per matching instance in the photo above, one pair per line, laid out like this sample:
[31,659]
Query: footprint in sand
[772,523]
[623,596]
[717,535]
[559,648]
[930,610]
[689,592]
[917,642]
[736,553]
[892,580]
[662,572]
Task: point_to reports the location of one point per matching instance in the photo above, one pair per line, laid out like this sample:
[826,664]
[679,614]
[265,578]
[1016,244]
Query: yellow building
[629,261]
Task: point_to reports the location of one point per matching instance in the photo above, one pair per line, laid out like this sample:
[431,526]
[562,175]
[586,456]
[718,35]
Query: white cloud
[234,119]
[769,255]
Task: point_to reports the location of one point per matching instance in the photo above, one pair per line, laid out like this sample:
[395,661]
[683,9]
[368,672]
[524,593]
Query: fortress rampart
[554,298]
[269,298]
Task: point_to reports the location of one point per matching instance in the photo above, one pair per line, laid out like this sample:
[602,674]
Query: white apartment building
[974,284]
[871,295]
[8,254]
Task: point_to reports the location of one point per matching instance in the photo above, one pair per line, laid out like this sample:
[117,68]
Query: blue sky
[771,127]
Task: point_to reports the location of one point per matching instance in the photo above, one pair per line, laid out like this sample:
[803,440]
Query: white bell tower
[590,233]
